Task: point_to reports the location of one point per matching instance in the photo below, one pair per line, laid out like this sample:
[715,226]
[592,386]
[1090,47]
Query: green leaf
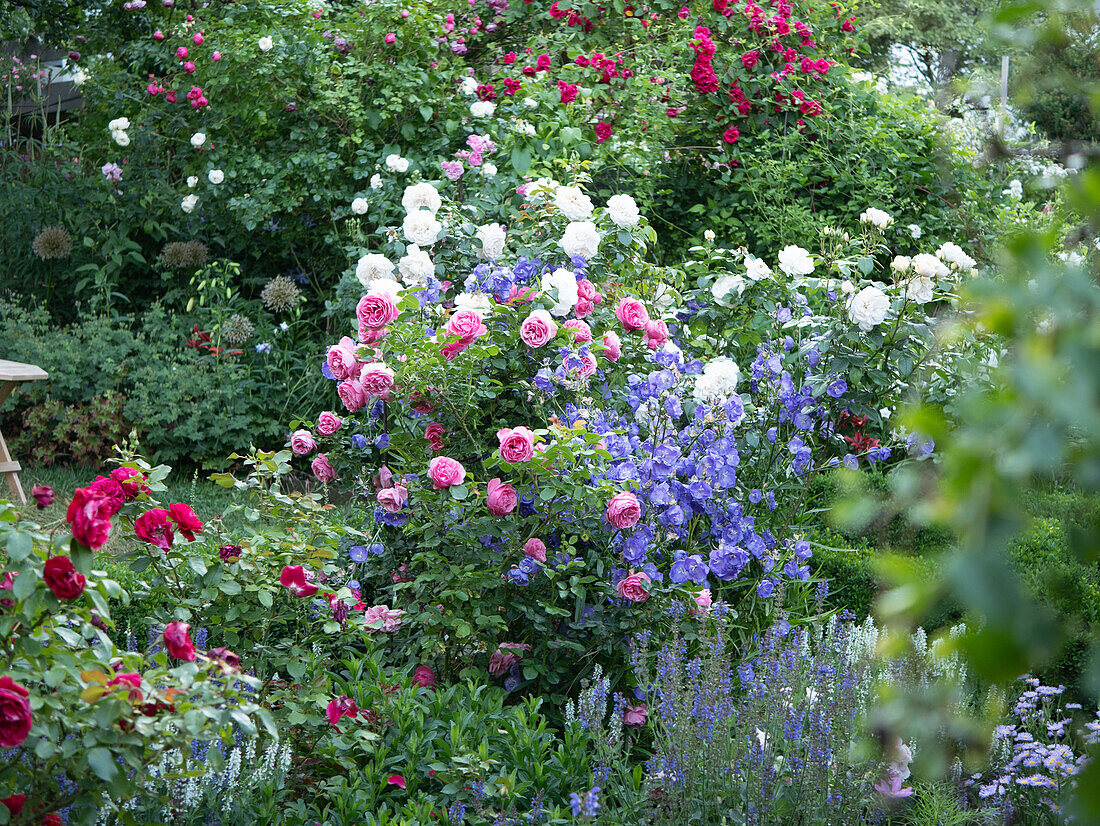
[102,762]
[521,159]
[20,546]
[459,492]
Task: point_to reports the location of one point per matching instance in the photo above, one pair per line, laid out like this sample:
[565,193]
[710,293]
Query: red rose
[90,516]
[43,495]
[155,528]
[178,641]
[424,676]
[130,480]
[434,434]
[185,519]
[111,490]
[14,803]
[295,580]
[132,683]
[603,131]
[15,713]
[62,578]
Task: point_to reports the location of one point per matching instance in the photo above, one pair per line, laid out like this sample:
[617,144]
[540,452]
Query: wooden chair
[12,374]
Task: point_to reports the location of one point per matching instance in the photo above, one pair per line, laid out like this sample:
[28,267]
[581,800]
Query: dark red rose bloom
[14,803]
[424,676]
[178,641]
[111,490]
[130,480]
[43,495]
[90,516]
[154,527]
[62,578]
[225,657]
[185,519]
[15,713]
[228,553]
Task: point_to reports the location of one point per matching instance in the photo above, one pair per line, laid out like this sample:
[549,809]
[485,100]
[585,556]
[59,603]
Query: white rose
[709,235]
[492,238]
[717,381]
[900,263]
[929,265]
[542,189]
[119,125]
[488,170]
[469,86]
[482,108]
[530,103]
[192,181]
[376,181]
[951,253]
[726,287]
[914,230]
[623,211]
[580,238]
[474,301]
[755,268]
[189,203]
[373,266]
[795,261]
[416,265]
[665,298]
[847,287]
[215,176]
[920,289]
[121,138]
[198,139]
[395,163]
[876,217]
[359,206]
[868,308]
[421,228]
[574,204]
[421,196]
[265,44]
[387,285]
[565,282]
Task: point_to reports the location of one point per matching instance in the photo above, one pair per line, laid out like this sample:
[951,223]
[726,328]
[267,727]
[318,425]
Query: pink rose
[302,443]
[631,314]
[178,641]
[501,661]
[434,434]
[613,347]
[634,716]
[393,499]
[377,379]
[634,587]
[535,548]
[516,444]
[16,718]
[624,511]
[656,334]
[583,308]
[424,676]
[382,618]
[501,499]
[703,600]
[351,394]
[467,325]
[109,488]
[341,360]
[328,423]
[582,333]
[322,469]
[342,706]
[131,481]
[445,472]
[297,580]
[588,366]
[376,310]
[587,290]
[538,328]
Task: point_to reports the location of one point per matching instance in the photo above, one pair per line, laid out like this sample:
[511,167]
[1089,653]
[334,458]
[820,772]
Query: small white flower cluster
[717,381]
[117,128]
[876,217]
[1014,190]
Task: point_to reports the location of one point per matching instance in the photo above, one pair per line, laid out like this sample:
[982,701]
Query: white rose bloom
[876,217]
[121,138]
[929,265]
[118,125]
[474,301]
[482,108]
[189,203]
[920,289]
[421,228]
[726,288]
[416,265]
[623,211]
[709,234]
[192,181]
[1015,190]
[530,103]
[542,189]
[565,282]
[665,298]
[1073,259]
[868,308]
[847,287]
[359,206]
[901,263]
[580,238]
[198,139]
[862,77]
[574,204]
[469,86]
[717,381]
[795,261]
[952,254]
[373,266]
[488,170]
[755,268]
[388,284]
[395,163]
[421,196]
[265,44]
[215,176]
[914,230]
[376,181]
[492,238]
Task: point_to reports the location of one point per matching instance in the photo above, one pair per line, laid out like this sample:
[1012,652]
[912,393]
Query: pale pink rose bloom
[634,716]
[535,548]
[445,472]
[376,379]
[466,324]
[324,471]
[613,347]
[538,328]
[624,510]
[634,587]
[382,618]
[501,499]
[582,333]
[631,314]
[516,444]
[351,394]
[341,359]
[703,600]
[393,499]
[302,442]
[328,423]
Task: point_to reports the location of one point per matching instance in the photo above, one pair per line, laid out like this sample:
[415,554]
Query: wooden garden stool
[12,374]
